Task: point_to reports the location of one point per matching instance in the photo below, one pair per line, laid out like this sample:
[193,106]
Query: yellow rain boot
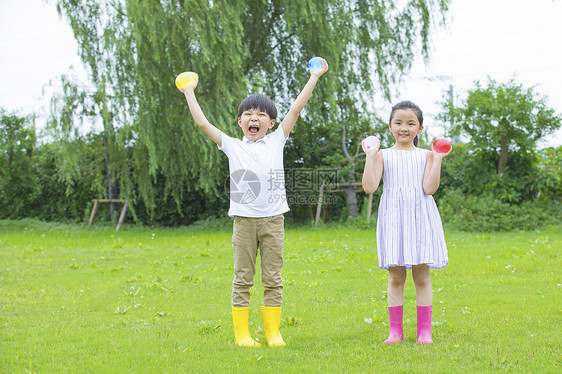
[242,328]
[271,321]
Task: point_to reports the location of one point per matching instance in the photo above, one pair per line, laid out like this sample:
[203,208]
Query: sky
[501,39]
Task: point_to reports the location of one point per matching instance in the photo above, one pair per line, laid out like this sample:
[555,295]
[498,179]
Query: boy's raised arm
[291,118]
[198,115]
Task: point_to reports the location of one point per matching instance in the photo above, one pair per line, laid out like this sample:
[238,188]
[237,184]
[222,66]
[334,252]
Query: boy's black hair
[259,102]
[407,104]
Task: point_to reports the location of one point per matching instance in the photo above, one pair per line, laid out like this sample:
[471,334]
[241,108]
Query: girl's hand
[370,145]
[320,72]
[439,155]
[371,152]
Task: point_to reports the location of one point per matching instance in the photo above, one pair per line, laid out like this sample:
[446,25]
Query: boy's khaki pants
[249,234]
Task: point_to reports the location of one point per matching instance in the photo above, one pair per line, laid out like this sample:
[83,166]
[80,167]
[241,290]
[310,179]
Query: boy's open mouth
[253,130]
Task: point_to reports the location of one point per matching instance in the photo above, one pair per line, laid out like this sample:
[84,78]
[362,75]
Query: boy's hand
[321,71]
[186,79]
[190,87]
[198,116]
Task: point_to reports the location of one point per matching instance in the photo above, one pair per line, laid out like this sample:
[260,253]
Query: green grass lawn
[147,300]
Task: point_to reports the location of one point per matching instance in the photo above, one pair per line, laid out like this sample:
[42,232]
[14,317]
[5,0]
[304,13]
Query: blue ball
[315,63]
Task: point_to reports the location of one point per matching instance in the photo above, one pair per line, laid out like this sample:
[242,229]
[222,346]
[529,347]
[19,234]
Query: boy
[257,202]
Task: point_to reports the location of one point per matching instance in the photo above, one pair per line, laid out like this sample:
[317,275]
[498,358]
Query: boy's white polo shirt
[257,176]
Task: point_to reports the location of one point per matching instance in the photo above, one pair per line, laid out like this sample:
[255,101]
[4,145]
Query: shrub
[488,213]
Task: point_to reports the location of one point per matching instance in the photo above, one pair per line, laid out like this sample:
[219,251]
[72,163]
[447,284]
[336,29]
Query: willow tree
[134,49]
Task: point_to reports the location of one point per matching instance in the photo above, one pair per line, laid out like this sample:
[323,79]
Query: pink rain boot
[396,334]
[424,325]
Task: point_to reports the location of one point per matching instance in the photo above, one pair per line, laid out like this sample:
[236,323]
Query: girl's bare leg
[424,299]
[422,280]
[396,281]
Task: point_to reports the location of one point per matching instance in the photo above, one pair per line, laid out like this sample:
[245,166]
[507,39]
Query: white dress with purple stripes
[409,228]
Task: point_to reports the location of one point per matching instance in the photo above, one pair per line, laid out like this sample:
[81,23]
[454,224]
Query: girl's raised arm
[432,173]
[373,171]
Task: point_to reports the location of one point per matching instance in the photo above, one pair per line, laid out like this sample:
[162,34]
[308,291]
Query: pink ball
[370,142]
[442,145]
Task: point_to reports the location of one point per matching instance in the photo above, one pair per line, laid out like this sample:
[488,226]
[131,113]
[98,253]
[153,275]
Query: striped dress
[409,228]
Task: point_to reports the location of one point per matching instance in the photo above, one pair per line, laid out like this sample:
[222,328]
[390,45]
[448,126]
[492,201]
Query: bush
[528,174]
[487,213]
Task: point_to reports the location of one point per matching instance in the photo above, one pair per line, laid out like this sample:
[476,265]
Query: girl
[409,228]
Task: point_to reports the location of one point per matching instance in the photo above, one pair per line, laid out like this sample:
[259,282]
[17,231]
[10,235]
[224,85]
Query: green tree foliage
[503,118]
[551,165]
[56,200]
[134,50]
[18,184]
[498,180]
[473,172]
[78,119]
[474,197]
[30,180]
[487,213]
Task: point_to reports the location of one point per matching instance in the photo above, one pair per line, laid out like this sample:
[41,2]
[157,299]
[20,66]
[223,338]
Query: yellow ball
[185,79]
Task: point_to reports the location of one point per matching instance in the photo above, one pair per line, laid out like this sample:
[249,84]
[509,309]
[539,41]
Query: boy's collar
[246,140]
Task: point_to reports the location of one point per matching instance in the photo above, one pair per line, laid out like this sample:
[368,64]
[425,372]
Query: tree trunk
[319,205]
[113,193]
[502,163]
[369,207]
[350,194]
[348,189]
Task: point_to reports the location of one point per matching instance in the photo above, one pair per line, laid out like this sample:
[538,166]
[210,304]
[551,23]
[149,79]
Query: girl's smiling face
[405,126]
